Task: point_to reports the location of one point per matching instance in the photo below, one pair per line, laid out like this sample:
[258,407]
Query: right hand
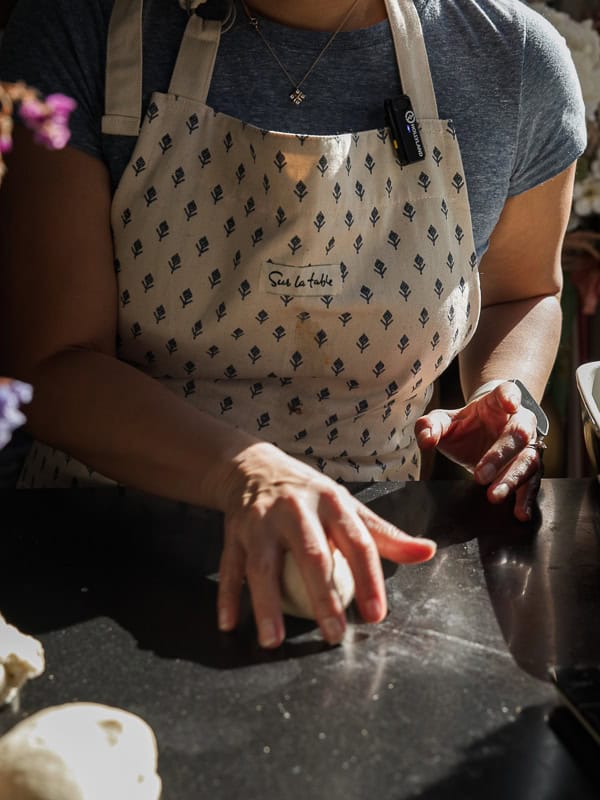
[275,503]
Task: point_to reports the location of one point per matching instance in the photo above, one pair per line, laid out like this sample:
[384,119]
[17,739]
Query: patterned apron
[308,289]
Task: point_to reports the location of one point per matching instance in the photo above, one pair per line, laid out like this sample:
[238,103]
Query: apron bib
[308,289]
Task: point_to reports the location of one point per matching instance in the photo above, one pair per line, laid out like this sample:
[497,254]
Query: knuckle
[505,448]
[327,603]
[261,567]
[337,500]
[318,559]
[227,595]
[523,469]
[532,458]
[521,436]
[361,541]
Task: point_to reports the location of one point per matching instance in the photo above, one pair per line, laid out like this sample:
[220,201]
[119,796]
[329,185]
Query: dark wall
[5,9]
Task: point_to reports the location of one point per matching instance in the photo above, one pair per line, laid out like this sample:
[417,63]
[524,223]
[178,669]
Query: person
[274,227]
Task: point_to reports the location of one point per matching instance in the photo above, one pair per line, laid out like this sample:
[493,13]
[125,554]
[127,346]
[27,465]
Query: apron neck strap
[195,63]
[411,54]
[196,60]
[123,103]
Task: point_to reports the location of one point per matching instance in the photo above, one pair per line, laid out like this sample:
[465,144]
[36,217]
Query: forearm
[514,340]
[131,428]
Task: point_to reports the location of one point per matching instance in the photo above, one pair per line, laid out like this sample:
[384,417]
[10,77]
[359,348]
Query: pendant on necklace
[297,97]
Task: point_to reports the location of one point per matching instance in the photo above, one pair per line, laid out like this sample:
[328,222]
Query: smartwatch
[527,401]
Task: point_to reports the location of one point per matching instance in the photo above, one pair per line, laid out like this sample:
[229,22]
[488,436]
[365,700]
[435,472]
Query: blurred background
[579,23]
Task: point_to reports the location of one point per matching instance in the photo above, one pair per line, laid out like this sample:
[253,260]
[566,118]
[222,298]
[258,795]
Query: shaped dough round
[21,658]
[294,597]
[79,751]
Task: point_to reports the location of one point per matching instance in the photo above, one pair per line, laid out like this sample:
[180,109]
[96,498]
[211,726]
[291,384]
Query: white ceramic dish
[588,384]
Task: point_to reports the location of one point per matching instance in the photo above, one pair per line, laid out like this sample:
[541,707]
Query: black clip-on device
[404,127]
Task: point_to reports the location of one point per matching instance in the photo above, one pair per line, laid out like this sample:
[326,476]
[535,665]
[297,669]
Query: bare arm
[521,282]
[58,322]
[58,312]
[517,337]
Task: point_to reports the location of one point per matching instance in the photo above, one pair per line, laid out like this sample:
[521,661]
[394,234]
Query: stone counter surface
[449,697]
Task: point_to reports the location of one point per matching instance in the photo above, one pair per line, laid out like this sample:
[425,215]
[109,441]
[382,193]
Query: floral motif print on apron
[308,289]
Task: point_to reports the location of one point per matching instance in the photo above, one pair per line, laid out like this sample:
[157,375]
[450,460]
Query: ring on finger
[538,444]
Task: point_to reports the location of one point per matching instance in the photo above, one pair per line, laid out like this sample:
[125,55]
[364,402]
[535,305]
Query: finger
[504,399]
[232,569]
[263,570]
[526,495]
[315,563]
[432,427]
[518,472]
[393,543]
[350,534]
[513,442]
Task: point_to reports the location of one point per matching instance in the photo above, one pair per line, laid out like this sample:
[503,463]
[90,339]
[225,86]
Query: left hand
[490,438]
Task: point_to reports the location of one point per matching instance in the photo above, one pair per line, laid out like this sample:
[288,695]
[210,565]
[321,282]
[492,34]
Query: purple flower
[48,119]
[12,395]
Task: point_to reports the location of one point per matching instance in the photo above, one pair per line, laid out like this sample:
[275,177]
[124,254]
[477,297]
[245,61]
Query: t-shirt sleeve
[59,46]
[552,125]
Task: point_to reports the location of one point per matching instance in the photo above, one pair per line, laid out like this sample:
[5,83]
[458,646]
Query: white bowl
[588,385]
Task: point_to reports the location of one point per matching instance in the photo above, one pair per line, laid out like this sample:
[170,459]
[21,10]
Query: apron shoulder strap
[191,77]
[123,101]
[412,57]
[195,63]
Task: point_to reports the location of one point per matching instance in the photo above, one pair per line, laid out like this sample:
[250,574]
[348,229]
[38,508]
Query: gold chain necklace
[296,95]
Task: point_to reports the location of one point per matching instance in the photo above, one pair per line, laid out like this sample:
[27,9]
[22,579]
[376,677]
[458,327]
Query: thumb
[432,427]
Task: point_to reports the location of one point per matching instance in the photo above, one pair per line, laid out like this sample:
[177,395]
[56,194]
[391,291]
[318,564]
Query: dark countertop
[449,697]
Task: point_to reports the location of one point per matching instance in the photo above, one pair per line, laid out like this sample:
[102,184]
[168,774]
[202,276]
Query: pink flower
[52,135]
[49,119]
[61,106]
[6,126]
[32,111]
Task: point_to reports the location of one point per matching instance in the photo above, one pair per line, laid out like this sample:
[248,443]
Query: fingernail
[225,621]
[332,629]
[268,633]
[373,610]
[487,473]
[500,492]
[427,544]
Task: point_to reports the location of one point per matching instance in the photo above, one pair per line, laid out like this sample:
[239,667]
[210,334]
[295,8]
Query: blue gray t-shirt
[500,71]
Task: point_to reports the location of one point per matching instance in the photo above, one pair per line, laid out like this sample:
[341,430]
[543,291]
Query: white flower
[586,196]
[12,395]
[584,43]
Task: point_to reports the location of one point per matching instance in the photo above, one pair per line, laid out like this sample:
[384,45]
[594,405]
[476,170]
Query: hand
[491,437]
[276,503]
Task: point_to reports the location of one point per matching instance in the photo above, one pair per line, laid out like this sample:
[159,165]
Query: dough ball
[79,751]
[294,597]
[21,658]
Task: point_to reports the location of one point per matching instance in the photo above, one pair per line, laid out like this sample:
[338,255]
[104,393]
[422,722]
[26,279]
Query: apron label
[303,281]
